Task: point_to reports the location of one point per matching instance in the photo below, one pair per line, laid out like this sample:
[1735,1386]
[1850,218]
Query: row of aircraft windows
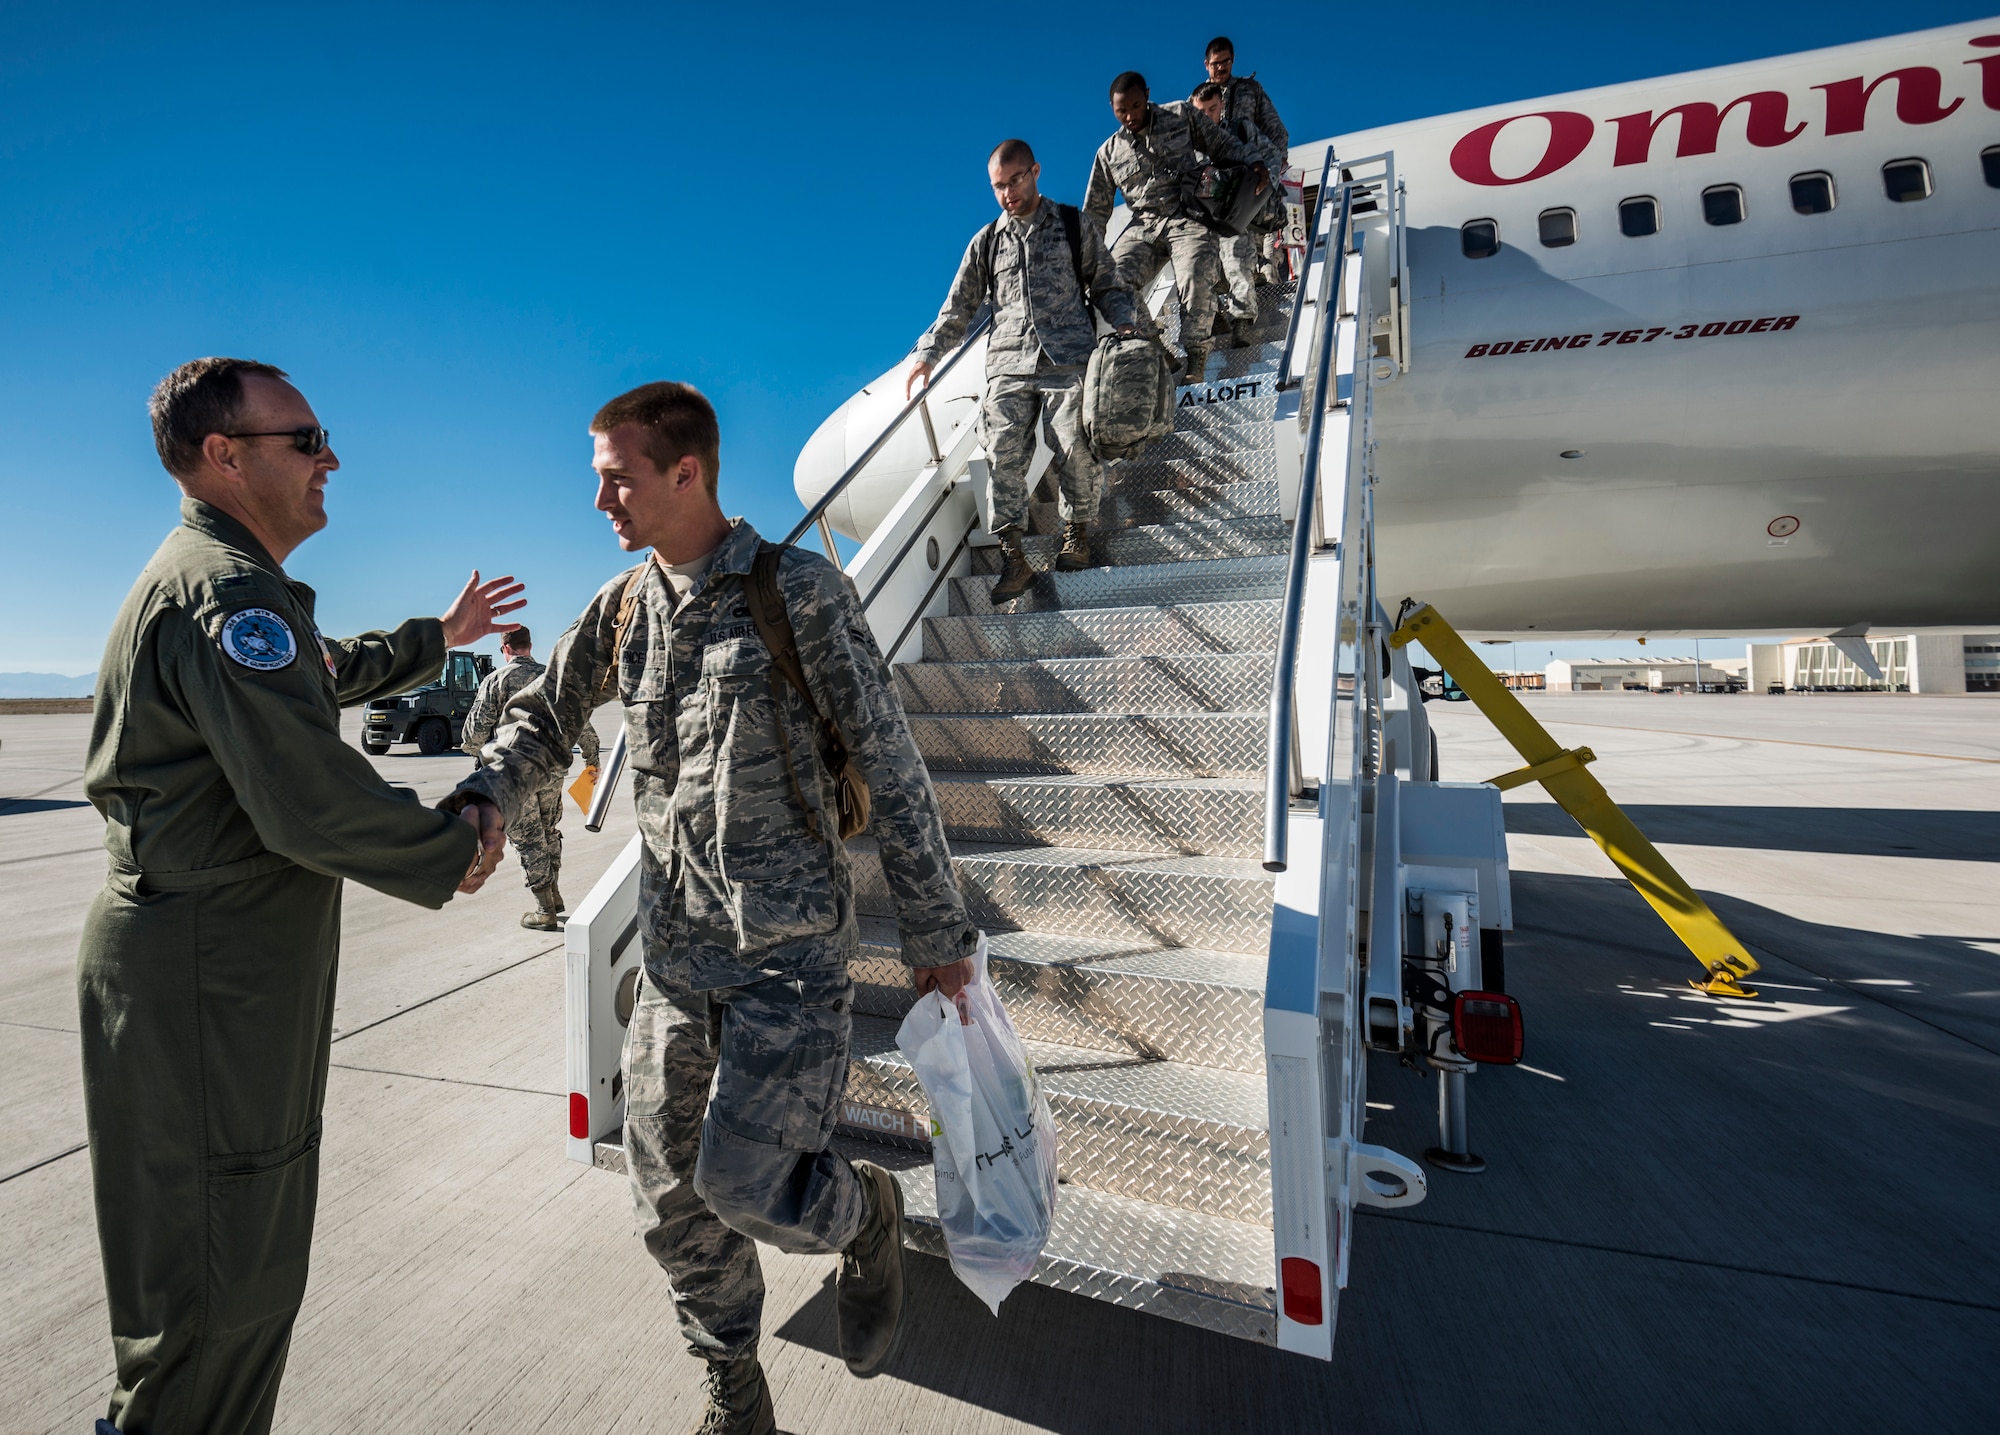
[1903,180]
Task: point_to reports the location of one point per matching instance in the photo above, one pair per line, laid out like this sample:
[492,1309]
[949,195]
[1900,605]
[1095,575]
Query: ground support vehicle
[432,717]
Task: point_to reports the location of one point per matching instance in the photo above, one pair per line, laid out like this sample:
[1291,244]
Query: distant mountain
[46,685]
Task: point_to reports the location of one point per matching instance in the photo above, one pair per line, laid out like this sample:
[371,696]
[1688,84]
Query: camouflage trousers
[726,1145]
[1015,408]
[1239,275]
[537,837]
[1148,245]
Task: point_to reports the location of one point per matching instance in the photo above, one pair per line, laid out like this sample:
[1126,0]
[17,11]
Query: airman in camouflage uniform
[538,834]
[1155,158]
[736,1056]
[1245,101]
[1041,292]
[1240,251]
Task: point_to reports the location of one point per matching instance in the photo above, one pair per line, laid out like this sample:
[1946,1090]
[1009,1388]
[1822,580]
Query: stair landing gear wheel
[433,737]
[1464,1163]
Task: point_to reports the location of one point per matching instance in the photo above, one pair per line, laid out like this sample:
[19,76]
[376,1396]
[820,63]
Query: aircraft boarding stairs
[1100,750]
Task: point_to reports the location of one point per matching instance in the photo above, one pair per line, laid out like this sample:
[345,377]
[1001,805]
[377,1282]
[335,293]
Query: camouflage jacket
[1157,167]
[1037,309]
[1244,99]
[733,886]
[492,701]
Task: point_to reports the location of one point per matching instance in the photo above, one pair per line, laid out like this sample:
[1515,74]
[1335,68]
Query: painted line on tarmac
[1689,1261]
[446,1080]
[1782,741]
[45,1161]
[449,991]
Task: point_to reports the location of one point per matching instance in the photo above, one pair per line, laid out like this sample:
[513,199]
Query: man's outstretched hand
[485,820]
[476,610]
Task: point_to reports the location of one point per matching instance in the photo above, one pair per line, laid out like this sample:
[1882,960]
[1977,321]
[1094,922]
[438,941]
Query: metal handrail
[920,402]
[1285,380]
[1278,783]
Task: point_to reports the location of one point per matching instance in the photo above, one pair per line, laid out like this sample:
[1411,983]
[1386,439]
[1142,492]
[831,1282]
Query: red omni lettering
[1918,91]
[1701,127]
[1767,122]
[1989,71]
[1569,136]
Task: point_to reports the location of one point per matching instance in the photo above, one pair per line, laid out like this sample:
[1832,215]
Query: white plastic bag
[993,1143]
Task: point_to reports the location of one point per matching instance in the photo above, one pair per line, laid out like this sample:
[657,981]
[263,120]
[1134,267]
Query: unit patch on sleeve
[258,638]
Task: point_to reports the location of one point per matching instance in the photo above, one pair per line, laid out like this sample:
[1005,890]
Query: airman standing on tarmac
[233,811]
[1041,267]
[537,833]
[1154,158]
[736,1056]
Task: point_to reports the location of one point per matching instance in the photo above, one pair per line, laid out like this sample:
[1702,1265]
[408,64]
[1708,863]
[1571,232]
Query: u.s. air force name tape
[258,638]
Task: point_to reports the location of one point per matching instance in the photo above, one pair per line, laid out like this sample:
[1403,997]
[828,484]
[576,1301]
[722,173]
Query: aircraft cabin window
[1989,160]
[1904,180]
[1639,216]
[1558,228]
[1722,204]
[1812,193]
[1479,238]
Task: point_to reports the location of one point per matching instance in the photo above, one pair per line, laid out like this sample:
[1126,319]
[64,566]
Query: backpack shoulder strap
[774,620]
[1072,223]
[989,248]
[628,604]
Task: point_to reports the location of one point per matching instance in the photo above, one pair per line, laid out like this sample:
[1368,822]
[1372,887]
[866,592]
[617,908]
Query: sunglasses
[307,441]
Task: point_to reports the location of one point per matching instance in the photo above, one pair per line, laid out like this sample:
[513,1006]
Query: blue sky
[464,227]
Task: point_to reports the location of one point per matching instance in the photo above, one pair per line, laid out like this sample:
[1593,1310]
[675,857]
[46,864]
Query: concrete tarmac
[1697,1215]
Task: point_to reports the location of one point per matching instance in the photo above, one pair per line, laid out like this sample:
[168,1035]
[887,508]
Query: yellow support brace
[1583,797]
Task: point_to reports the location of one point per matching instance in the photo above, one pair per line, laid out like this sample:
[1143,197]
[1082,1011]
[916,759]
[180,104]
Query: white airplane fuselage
[1786,423]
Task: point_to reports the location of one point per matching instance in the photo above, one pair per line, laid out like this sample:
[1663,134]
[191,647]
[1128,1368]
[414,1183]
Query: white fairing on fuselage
[1838,465]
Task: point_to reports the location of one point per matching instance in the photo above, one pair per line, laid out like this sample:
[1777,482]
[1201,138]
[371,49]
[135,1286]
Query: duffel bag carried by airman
[1226,198]
[1128,396]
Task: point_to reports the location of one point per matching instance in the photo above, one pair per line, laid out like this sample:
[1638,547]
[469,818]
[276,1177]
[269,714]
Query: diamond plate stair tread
[1161,506]
[1109,744]
[1184,1004]
[1148,473]
[1146,583]
[1215,816]
[1204,1270]
[1168,901]
[1099,954]
[1187,539]
[1079,1075]
[1191,440]
[1161,683]
[1099,632]
[1189,1136]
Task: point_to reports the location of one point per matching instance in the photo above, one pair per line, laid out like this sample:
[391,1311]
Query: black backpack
[1072,223]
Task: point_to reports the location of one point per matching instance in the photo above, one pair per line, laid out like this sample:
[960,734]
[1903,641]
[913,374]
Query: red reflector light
[1300,1278]
[579,1116]
[1486,1026]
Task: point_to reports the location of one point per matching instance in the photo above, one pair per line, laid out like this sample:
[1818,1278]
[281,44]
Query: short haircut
[518,639]
[1207,90]
[1127,82]
[1012,152]
[1219,44]
[678,421]
[201,397]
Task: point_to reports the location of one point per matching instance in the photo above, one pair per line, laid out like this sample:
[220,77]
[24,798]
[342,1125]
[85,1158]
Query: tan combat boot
[547,916]
[1075,552]
[868,1291]
[1015,574]
[739,1402]
[1197,364]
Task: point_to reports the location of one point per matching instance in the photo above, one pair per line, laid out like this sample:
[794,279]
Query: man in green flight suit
[233,812]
